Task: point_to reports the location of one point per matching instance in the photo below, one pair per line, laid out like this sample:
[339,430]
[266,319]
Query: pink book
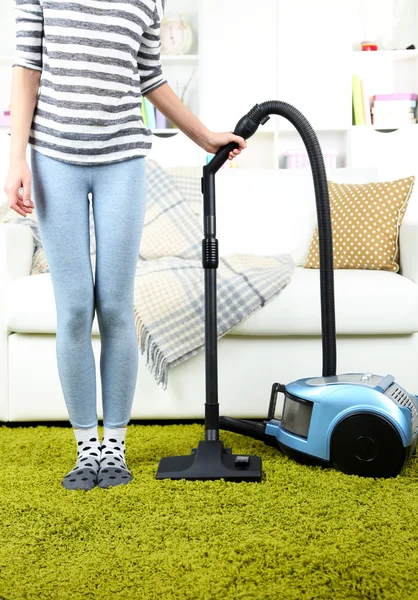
[395,97]
[160,120]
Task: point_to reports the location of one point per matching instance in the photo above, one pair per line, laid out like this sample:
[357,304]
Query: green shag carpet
[301,533]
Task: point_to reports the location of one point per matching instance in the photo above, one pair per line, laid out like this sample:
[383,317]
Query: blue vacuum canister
[359,423]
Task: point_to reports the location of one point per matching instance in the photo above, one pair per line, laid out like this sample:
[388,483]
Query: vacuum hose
[245,128]
[249,428]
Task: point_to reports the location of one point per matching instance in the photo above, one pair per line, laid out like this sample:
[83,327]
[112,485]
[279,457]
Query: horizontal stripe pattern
[97,59]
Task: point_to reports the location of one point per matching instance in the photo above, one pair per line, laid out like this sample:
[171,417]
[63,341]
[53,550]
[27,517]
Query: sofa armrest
[408,248]
[16,251]
[16,254]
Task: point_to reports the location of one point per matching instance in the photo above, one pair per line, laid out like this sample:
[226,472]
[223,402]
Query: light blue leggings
[60,196]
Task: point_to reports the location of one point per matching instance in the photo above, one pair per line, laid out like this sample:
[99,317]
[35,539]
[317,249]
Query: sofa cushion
[367,302]
[365,224]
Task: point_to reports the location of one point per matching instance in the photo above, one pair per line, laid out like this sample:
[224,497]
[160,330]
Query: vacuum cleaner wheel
[368,445]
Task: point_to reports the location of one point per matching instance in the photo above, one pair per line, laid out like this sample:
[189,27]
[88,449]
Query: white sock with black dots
[84,474]
[113,469]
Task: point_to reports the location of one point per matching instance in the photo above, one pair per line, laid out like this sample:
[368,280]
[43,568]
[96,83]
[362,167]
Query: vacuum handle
[220,158]
[245,128]
[275,389]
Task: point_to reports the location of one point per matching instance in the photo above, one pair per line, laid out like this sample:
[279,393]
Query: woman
[83,123]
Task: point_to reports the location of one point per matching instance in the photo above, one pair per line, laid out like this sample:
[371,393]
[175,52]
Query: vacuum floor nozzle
[211,461]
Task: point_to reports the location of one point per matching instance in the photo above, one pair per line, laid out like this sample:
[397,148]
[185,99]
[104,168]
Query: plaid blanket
[169,284]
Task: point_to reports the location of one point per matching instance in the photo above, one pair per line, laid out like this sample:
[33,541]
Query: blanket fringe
[155,359]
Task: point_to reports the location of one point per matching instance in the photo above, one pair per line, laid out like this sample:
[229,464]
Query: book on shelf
[366,102]
[394,110]
[395,106]
[359,112]
[386,111]
[395,97]
[392,123]
[152,117]
[5,118]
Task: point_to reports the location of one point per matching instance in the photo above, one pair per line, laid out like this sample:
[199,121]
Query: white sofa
[263,211]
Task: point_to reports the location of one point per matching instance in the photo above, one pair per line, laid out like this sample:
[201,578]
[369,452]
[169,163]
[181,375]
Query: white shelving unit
[323,90]
[391,69]
[303,53]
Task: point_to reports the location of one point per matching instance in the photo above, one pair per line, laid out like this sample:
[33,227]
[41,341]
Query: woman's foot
[113,470]
[84,475]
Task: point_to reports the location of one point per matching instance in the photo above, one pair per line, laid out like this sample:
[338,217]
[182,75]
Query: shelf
[392,54]
[167,130]
[377,128]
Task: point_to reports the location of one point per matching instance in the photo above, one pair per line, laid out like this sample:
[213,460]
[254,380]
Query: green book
[358,104]
[150,112]
[144,112]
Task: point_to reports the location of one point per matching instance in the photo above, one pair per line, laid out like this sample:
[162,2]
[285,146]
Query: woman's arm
[27,68]
[25,85]
[155,87]
[167,102]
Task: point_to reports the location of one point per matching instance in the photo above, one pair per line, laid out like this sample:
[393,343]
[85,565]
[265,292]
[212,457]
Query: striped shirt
[97,59]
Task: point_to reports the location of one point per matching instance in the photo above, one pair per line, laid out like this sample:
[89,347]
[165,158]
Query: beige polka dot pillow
[365,224]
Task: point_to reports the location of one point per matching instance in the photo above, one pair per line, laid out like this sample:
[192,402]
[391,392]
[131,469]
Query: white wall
[7,27]
[391,23]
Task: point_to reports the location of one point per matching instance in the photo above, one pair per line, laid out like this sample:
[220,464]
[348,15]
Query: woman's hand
[19,176]
[213,141]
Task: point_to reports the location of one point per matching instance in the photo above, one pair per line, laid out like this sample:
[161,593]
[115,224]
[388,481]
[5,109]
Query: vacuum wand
[210,460]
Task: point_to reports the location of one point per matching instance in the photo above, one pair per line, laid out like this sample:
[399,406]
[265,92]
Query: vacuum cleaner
[359,423]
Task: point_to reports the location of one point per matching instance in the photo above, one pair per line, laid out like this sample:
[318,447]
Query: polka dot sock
[84,474]
[113,469]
